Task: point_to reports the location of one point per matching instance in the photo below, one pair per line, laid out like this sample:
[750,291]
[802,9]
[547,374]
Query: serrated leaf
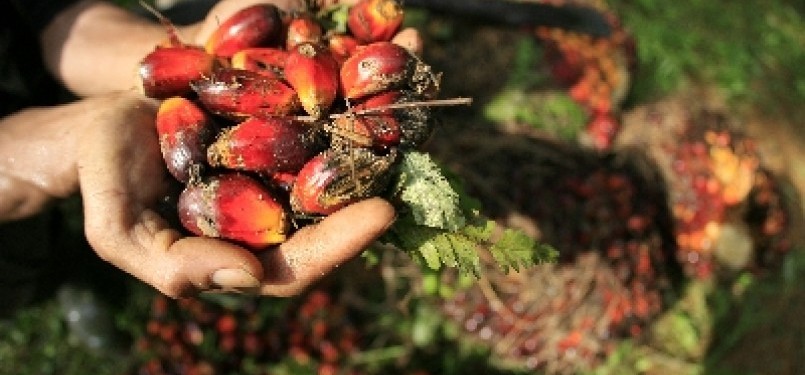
[417,240]
[516,250]
[437,247]
[462,251]
[427,193]
[480,232]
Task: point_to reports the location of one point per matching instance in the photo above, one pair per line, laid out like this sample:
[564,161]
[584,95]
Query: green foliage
[751,49]
[527,57]
[514,250]
[439,225]
[523,99]
[555,113]
[432,201]
[334,18]
[37,341]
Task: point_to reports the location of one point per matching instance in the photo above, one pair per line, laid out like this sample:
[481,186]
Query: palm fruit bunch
[730,213]
[596,70]
[247,336]
[606,216]
[282,116]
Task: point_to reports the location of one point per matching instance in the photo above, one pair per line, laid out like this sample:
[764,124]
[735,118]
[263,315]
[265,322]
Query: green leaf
[437,247]
[427,193]
[334,18]
[515,250]
[440,225]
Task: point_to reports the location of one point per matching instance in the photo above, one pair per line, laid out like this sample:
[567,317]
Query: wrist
[37,160]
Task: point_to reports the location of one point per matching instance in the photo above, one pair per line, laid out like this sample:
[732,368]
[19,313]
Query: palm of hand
[123,177]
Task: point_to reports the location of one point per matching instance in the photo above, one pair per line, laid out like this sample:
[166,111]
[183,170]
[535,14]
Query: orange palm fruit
[313,72]
[337,177]
[234,207]
[255,26]
[185,131]
[168,71]
[342,46]
[302,28]
[270,61]
[375,20]
[265,145]
[238,94]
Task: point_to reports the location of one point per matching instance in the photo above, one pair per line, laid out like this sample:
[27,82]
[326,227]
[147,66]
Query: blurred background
[660,150]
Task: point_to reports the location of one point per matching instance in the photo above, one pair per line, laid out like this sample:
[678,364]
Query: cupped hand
[122,178]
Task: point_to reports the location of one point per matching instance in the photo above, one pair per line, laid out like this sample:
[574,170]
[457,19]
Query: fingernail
[234,278]
[244,291]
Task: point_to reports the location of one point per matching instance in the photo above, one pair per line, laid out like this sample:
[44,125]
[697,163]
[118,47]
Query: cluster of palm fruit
[629,224]
[610,223]
[278,114]
[596,70]
[729,211]
[197,336]
[684,195]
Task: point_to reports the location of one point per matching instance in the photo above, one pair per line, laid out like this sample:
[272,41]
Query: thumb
[176,266]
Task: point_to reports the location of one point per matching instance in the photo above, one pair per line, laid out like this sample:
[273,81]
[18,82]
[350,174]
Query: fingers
[122,175]
[316,250]
[158,255]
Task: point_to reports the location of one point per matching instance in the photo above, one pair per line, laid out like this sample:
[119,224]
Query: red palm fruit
[302,29]
[270,61]
[375,20]
[602,130]
[185,131]
[381,66]
[254,26]
[283,180]
[238,94]
[226,323]
[265,145]
[313,72]
[338,177]
[379,129]
[374,68]
[168,71]
[235,207]
[342,46]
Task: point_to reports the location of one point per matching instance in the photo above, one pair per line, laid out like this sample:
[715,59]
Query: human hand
[122,178]
[107,147]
